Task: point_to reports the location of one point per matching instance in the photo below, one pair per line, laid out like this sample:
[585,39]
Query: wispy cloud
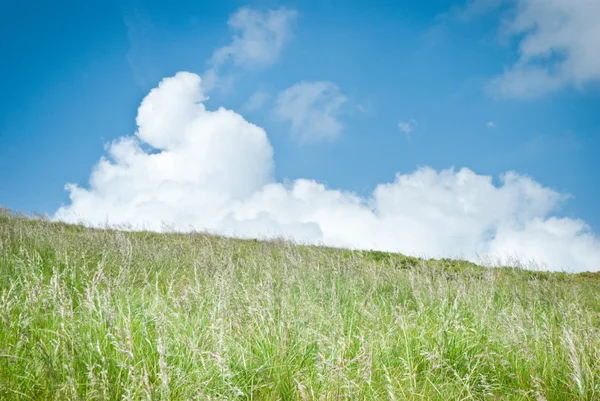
[256,101]
[407,127]
[259,37]
[142,60]
[313,109]
[474,8]
[559,45]
[490,124]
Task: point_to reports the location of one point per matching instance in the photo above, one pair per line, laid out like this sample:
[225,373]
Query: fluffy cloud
[213,170]
[559,45]
[312,108]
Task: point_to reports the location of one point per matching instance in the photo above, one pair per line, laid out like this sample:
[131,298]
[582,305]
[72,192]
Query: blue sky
[375,89]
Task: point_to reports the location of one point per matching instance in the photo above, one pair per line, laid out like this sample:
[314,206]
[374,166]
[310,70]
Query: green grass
[88,314]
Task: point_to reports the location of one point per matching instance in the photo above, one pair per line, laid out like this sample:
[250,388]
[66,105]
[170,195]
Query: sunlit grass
[110,315]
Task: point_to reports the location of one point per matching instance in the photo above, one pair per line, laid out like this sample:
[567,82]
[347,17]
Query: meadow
[104,314]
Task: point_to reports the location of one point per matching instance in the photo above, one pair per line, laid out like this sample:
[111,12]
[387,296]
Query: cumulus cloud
[213,170]
[258,40]
[312,108]
[559,45]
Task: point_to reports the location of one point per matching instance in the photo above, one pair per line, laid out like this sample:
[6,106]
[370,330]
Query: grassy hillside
[107,315]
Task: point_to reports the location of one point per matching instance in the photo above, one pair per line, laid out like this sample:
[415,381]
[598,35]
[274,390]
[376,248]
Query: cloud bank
[559,45]
[212,170]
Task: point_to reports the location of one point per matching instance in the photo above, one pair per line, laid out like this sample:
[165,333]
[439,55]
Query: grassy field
[89,314]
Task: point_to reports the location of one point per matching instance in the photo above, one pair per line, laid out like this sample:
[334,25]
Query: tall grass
[90,314]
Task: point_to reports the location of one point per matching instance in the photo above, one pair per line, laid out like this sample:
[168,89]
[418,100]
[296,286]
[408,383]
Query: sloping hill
[103,314]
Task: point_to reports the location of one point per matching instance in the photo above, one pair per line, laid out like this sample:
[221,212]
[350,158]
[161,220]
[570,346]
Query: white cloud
[258,40]
[214,170]
[312,108]
[407,127]
[559,45]
[256,101]
[490,124]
